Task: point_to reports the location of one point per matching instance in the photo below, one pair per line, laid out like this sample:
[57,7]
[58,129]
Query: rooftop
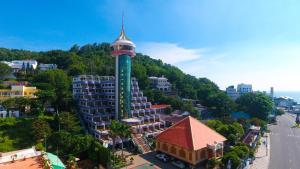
[160,106]
[191,134]
[21,159]
[28,163]
[55,161]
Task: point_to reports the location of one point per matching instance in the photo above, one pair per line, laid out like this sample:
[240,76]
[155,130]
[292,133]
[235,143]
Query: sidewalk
[263,154]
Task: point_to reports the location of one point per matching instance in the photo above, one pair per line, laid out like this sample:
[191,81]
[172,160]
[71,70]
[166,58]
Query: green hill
[96,59]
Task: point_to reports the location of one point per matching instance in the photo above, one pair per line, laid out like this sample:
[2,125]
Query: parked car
[178,164]
[162,157]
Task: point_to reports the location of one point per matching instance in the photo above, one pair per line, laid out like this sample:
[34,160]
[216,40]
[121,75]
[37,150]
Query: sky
[229,42]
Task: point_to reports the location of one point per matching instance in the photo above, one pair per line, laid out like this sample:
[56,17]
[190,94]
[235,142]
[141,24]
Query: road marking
[291,131]
[275,134]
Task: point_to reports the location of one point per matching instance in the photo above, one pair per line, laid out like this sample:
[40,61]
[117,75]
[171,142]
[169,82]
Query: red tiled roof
[191,134]
[28,163]
[160,106]
[171,118]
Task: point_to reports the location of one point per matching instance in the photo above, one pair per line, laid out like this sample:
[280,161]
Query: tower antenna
[123,21]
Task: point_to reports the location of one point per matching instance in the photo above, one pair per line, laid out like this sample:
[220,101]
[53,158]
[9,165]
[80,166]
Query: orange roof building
[22,159]
[191,141]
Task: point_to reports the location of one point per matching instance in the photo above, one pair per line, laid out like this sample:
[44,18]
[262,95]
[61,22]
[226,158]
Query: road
[285,144]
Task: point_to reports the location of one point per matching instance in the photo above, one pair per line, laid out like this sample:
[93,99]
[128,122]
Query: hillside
[96,59]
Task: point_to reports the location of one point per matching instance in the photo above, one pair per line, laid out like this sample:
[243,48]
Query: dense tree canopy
[69,122]
[56,81]
[233,132]
[4,70]
[256,104]
[235,154]
[40,129]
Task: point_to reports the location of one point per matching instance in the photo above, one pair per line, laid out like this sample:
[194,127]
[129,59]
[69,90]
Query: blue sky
[232,41]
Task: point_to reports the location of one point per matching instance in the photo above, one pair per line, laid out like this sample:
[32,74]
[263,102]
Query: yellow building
[18,91]
[191,141]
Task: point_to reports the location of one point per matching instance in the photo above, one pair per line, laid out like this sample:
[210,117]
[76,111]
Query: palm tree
[124,133]
[115,127]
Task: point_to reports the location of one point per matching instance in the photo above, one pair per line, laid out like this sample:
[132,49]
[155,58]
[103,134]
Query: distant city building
[44,67]
[232,92]
[18,91]
[285,102]
[160,83]
[190,141]
[17,65]
[244,88]
[272,93]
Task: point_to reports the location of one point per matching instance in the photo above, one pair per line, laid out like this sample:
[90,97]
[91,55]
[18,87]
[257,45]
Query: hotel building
[95,96]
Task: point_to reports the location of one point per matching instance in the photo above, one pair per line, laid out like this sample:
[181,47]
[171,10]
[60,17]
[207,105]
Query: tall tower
[272,92]
[123,51]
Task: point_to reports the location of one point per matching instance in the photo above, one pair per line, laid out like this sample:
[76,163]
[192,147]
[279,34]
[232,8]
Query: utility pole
[45,138]
[266,145]
[58,128]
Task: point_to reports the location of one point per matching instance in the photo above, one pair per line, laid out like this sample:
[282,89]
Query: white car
[178,164]
[162,157]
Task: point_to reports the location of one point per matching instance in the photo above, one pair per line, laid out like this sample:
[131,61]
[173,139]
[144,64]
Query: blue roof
[240,115]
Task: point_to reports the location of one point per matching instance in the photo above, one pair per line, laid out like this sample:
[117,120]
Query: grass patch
[15,133]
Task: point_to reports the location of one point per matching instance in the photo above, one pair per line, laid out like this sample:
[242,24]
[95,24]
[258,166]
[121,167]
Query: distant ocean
[295,95]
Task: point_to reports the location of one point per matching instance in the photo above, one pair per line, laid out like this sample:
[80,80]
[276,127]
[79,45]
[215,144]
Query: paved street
[285,144]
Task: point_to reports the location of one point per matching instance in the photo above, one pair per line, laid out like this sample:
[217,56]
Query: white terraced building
[96,99]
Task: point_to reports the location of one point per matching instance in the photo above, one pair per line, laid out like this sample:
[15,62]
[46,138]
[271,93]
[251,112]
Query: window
[182,153]
[173,150]
[203,154]
[191,156]
[165,147]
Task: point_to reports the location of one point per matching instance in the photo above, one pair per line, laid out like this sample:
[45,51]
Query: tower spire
[122,35]
[123,21]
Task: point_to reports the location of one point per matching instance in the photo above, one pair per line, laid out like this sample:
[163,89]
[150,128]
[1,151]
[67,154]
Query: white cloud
[170,53]
[262,65]
[200,62]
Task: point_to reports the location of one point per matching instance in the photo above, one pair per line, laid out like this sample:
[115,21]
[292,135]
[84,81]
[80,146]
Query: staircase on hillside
[140,142]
